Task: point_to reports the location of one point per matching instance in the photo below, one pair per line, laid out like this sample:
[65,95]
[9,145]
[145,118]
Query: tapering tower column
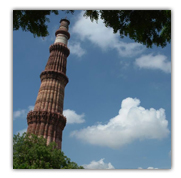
[46,119]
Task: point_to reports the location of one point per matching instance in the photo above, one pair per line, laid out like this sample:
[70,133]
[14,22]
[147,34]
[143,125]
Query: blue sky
[117,101]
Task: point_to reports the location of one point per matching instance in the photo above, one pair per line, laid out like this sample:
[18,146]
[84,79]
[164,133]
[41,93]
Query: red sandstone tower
[46,119]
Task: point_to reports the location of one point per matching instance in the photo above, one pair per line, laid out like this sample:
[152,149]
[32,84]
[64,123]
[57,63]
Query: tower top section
[62,34]
[65,20]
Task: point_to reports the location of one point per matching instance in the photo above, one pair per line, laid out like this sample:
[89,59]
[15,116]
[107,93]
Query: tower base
[47,124]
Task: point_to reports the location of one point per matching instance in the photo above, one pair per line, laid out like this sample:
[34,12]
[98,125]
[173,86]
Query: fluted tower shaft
[46,119]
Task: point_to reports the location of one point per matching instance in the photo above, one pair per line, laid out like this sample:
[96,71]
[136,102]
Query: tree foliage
[33,21]
[31,152]
[144,26]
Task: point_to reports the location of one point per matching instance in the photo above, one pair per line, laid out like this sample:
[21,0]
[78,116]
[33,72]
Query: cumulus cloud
[154,62]
[22,113]
[133,122]
[76,49]
[104,37]
[73,117]
[98,165]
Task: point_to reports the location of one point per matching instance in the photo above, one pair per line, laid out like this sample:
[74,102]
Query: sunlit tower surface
[47,119]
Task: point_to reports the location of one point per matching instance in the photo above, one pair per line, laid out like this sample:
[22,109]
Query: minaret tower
[46,119]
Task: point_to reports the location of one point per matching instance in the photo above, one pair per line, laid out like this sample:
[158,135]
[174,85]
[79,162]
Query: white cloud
[140,168]
[128,49]
[73,117]
[133,122]
[22,113]
[19,113]
[154,62]
[151,168]
[104,37]
[98,165]
[76,49]
[148,168]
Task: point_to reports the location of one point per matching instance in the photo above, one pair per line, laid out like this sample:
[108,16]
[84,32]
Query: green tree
[33,21]
[147,27]
[144,26]
[31,152]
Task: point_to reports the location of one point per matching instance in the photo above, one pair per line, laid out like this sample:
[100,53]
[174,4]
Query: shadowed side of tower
[46,119]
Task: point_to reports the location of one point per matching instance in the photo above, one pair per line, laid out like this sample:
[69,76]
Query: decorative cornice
[53,118]
[60,47]
[54,75]
[60,31]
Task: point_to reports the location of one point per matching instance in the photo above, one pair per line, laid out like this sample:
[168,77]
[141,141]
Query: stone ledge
[60,47]
[54,75]
[53,118]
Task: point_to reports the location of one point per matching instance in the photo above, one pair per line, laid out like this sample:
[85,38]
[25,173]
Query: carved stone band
[60,47]
[53,118]
[54,75]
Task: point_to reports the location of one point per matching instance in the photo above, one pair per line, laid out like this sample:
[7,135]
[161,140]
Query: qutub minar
[46,119]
